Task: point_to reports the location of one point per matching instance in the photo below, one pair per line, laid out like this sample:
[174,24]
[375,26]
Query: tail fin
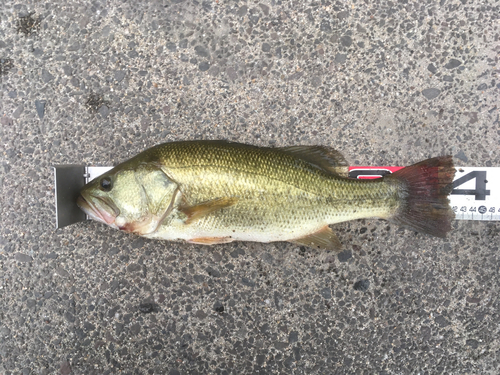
[425,187]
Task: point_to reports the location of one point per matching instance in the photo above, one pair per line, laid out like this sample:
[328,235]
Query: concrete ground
[384,82]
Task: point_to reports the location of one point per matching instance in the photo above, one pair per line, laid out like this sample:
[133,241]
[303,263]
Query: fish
[213,191]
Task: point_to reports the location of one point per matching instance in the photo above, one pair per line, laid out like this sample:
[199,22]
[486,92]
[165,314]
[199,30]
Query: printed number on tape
[475,194]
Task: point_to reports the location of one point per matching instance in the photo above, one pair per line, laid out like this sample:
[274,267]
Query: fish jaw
[146,225]
[97,210]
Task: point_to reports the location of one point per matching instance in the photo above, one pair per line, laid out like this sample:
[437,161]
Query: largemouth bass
[211,192]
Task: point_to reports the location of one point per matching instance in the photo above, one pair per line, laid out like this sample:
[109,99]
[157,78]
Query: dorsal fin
[321,156]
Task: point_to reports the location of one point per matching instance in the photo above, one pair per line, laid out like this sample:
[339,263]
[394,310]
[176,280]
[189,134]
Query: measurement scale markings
[475,194]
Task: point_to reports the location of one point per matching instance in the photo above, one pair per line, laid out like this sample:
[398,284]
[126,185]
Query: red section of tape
[367,173]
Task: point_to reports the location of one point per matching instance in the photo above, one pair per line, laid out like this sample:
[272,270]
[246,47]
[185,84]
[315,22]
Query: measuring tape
[475,194]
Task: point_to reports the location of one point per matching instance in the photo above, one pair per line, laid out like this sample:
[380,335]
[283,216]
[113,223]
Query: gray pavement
[386,83]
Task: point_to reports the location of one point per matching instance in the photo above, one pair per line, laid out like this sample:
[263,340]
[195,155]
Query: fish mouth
[98,209]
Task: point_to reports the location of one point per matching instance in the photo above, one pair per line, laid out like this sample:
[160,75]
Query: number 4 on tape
[475,194]
[479,192]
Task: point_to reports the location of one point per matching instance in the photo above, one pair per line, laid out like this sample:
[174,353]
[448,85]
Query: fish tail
[424,191]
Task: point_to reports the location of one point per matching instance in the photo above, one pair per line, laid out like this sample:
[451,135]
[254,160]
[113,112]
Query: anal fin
[202,209]
[323,239]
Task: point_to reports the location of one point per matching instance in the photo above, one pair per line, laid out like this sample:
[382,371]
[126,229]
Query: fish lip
[89,207]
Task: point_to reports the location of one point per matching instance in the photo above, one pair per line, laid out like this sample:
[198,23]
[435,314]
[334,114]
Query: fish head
[134,199]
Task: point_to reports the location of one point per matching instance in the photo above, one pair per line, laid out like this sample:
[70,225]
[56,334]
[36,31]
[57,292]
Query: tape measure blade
[475,195]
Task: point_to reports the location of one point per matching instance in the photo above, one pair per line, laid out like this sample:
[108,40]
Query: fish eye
[105,184]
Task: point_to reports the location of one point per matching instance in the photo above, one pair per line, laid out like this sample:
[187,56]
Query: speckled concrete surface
[384,82]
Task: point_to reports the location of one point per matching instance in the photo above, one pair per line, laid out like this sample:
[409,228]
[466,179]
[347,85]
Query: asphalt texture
[384,82]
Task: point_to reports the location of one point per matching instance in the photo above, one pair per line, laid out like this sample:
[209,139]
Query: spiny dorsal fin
[323,239]
[321,156]
[199,210]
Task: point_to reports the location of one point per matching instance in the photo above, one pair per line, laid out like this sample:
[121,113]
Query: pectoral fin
[324,239]
[198,211]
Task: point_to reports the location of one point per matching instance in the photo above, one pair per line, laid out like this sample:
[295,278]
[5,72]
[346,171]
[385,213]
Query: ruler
[475,194]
